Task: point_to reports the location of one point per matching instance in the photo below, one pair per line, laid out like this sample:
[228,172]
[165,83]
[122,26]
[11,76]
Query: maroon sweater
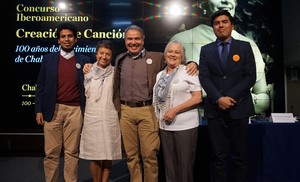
[67,87]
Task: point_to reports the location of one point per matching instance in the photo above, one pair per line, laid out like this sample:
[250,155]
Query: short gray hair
[183,61]
[135,27]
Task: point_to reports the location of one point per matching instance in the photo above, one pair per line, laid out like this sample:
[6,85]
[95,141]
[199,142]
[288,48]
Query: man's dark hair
[220,13]
[67,25]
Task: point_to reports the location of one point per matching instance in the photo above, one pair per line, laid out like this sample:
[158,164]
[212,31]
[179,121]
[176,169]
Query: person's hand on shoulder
[192,68]
[86,68]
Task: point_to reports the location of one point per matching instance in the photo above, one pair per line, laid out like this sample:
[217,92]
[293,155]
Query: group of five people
[148,99]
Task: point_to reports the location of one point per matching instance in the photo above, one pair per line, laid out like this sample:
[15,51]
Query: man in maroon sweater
[59,104]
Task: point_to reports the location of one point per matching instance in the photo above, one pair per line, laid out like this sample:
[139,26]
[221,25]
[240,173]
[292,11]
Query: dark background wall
[18,118]
[291,37]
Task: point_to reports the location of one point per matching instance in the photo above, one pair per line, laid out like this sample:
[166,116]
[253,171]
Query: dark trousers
[179,153]
[228,136]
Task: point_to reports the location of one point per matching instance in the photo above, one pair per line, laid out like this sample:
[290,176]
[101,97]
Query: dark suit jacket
[45,97]
[158,63]
[234,81]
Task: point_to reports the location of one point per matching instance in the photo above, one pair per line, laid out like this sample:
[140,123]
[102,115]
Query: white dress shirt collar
[67,55]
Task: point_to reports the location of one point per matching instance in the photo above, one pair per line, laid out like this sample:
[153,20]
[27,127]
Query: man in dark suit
[59,104]
[227,81]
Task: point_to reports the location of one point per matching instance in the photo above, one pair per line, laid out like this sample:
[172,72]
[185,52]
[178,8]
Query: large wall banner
[30,33]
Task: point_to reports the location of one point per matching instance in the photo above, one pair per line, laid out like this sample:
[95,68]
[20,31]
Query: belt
[137,104]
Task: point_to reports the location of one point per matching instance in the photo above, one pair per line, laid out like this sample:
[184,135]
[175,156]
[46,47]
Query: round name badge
[78,66]
[149,61]
[236,58]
